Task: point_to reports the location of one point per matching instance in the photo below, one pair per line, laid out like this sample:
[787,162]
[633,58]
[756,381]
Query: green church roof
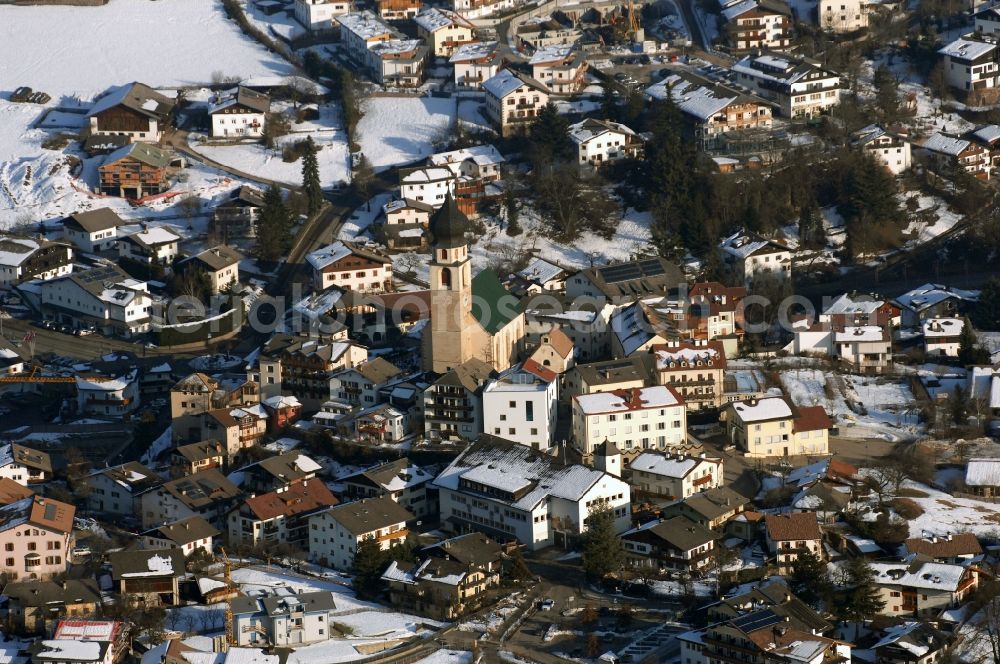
[492,304]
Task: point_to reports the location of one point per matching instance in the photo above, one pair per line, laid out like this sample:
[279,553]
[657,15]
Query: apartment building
[633,420]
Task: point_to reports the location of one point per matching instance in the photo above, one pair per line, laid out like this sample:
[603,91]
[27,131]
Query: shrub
[907,508]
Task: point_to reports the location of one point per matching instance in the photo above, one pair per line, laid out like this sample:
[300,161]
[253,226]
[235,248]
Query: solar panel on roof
[757,620]
[50,512]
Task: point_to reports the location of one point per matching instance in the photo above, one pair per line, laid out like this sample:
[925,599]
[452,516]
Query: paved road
[91,347]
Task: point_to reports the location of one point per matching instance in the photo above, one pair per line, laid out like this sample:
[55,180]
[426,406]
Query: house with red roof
[280,516]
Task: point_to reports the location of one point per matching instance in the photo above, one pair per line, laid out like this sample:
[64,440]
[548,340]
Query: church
[470,317]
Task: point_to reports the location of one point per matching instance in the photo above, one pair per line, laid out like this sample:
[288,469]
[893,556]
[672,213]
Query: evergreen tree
[363,177]
[873,214]
[273,226]
[513,212]
[602,548]
[957,406]
[810,227]
[969,352]
[519,568]
[886,93]
[370,561]
[550,140]
[986,315]
[609,105]
[310,178]
[862,599]
[808,580]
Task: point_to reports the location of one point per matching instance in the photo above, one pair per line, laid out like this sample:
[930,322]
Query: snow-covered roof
[70,650]
[657,396]
[157,566]
[665,356]
[589,129]
[15,250]
[435,19]
[894,635]
[853,303]
[985,383]
[929,575]
[396,47]
[481,155]
[738,8]
[983,472]
[553,53]
[945,144]
[988,134]
[967,49]
[328,255]
[154,236]
[781,69]
[928,295]
[425,175]
[473,51]
[862,333]
[631,328]
[108,385]
[540,271]
[743,244]
[667,465]
[768,408]
[364,24]
[506,82]
[942,327]
[701,99]
[503,462]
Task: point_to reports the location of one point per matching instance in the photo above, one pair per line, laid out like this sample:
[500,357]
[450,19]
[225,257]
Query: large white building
[633,419]
[334,533]
[843,15]
[890,150]
[93,230]
[971,64]
[508,491]
[318,14]
[475,62]
[444,30]
[102,297]
[521,405]
[513,100]
[24,258]
[427,184]
[282,620]
[560,67]
[350,267]
[801,88]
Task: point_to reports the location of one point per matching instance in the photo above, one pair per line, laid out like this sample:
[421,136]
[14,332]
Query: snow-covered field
[446,656]
[944,513]
[81,51]
[401,130]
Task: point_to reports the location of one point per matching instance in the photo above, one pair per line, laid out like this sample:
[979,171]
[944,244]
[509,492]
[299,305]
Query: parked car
[547,605]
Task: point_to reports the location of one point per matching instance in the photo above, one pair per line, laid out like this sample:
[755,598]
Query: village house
[302,366]
[801,88]
[22,259]
[774,427]
[749,256]
[189,535]
[102,395]
[336,532]
[81,641]
[601,141]
[283,620]
[382,423]
[970,65]
[134,110]
[350,267]
[430,185]
[207,494]
[398,62]
[360,31]
[105,298]
[93,230]
[148,577]
[555,351]
[948,152]
[199,393]
[404,225]
[280,517]
[988,136]
[36,534]
[542,276]
[713,109]
[473,9]
[987,20]
[444,31]
[453,404]
[764,636]
[237,216]
[943,336]
[236,428]
[982,476]
[511,491]
[910,642]
[843,16]
[757,25]
[865,348]
[521,404]
[35,606]
[239,114]
[135,171]
[677,544]
[359,385]
[11,364]
[674,477]
[24,465]
[278,472]
[475,63]
[711,508]
[221,264]
[513,100]
[401,480]
[586,325]
[790,535]
[634,420]
[695,370]
[477,162]
[561,68]
[116,489]
[890,149]
[923,589]
[397,10]
[154,245]
[932,301]
[952,548]
[627,281]
[318,15]
[451,577]
[632,372]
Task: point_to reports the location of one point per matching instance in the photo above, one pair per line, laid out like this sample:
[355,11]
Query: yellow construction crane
[634,29]
[230,635]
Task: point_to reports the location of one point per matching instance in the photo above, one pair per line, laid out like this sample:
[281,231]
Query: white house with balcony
[970,64]
[521,405]
[601,141]
[239,114]
[336,532]
[748,256]
[475,62]
[444,30]
[103,297]
[890,150]
[513,100]
[108,397]
[348,266]
[801,88]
